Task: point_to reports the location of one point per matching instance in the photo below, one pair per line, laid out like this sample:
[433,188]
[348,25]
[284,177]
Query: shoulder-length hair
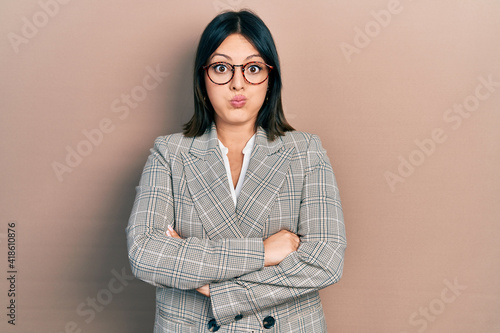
[270,117]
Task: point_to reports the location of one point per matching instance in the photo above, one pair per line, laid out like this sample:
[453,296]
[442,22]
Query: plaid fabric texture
[289,185]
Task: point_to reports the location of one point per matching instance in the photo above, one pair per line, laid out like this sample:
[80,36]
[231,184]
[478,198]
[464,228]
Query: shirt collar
[248,147]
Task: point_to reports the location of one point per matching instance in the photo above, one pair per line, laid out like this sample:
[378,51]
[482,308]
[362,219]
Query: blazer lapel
[269,164]
[209,187]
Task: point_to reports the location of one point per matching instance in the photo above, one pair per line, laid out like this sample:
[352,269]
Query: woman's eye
[253,69]
[220,68]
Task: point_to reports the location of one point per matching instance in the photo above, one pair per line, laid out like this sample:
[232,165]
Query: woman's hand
[278,246]
[205,290]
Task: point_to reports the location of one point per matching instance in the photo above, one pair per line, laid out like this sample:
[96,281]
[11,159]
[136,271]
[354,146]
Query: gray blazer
[289,185]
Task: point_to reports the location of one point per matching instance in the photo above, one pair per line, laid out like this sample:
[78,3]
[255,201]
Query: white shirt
[247,151]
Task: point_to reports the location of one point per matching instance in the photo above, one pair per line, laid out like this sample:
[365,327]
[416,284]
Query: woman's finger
[204,290]
[172,233]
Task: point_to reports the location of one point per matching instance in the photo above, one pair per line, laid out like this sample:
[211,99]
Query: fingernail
[168,234]
[170,227]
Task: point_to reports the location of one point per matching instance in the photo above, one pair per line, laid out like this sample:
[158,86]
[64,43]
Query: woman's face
[237,102]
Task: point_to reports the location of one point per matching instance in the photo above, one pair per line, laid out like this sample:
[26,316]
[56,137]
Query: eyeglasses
[254,72]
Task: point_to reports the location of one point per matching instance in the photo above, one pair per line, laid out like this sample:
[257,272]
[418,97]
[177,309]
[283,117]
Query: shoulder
[308,147]
[172,143]
[302,141]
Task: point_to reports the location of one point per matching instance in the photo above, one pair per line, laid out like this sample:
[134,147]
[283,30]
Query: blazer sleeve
[184,264]
[317,263]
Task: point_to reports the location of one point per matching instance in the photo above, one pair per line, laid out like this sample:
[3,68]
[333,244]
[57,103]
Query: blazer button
[268,322]
[212,326]
[238,317]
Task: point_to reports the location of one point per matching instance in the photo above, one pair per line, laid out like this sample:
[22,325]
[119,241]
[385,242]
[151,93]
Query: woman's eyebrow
[229,58]
[222,55]
[253,55]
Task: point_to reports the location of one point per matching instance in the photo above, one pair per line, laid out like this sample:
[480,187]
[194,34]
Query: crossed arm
[276,248]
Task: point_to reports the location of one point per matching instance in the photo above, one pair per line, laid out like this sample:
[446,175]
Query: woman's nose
[238,80]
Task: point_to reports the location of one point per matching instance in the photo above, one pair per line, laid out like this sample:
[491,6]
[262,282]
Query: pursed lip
[238,98]
[238,101]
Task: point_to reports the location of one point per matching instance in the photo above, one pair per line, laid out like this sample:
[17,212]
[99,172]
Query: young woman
[237,220]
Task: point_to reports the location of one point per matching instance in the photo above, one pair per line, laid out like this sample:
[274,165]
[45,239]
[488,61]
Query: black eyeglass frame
[242,71]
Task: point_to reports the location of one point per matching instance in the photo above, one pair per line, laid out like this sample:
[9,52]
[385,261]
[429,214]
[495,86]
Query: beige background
[408,241]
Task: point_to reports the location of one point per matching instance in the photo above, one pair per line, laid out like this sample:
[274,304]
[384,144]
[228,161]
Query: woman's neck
[235,136]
